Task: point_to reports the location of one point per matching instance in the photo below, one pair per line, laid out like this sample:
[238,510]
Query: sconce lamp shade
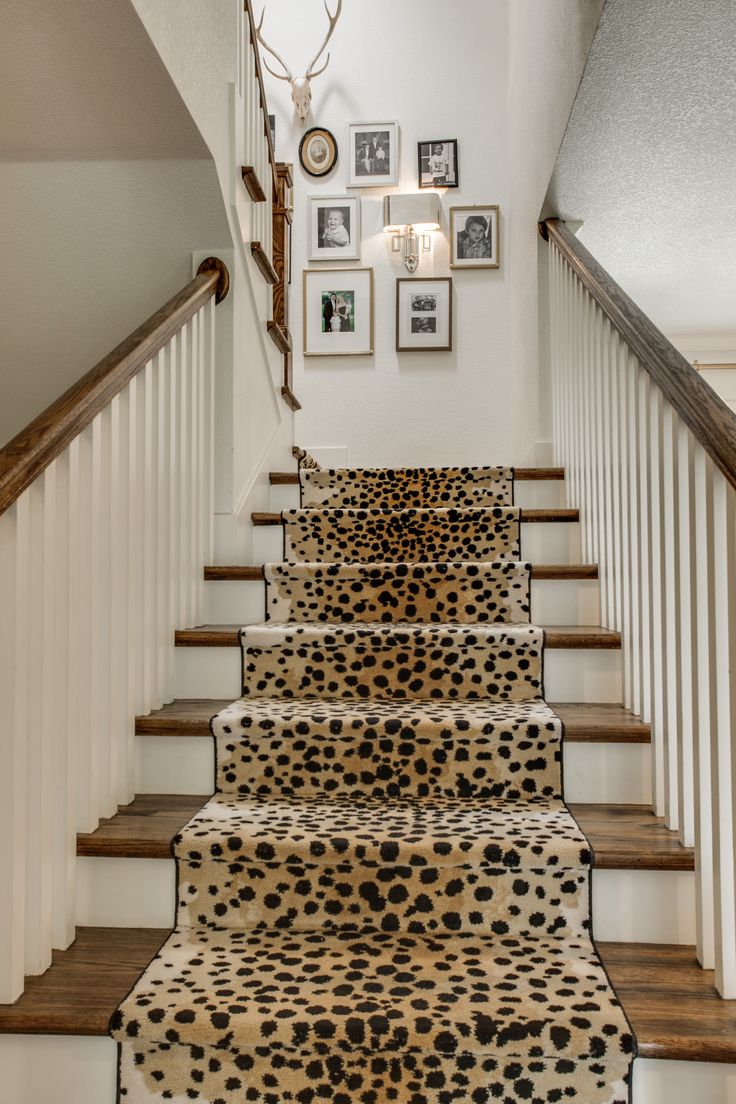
[422,211]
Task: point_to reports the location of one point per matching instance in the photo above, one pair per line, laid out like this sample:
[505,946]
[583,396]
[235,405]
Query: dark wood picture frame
[426,178]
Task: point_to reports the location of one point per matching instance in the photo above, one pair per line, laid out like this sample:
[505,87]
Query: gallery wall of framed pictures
[339,302]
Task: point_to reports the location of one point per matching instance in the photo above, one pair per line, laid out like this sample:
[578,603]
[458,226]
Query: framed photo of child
[373,154]
[334,228]
[438,166]
[338,312]
[474,239]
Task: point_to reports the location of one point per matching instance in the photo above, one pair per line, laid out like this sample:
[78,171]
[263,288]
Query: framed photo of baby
[474,236]
[334,228]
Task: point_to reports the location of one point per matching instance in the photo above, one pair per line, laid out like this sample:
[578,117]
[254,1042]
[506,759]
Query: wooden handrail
[712,422]
[24,458]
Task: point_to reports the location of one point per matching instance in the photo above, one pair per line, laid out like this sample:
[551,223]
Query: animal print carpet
[386,900]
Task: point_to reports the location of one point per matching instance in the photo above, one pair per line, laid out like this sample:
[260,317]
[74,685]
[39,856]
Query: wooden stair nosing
[623,837]
[672,1004]
[606,723]
[522,475]
[262,517]
[254,572]
[556,637]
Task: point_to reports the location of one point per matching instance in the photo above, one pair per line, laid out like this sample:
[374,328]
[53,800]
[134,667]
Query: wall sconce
[409,218]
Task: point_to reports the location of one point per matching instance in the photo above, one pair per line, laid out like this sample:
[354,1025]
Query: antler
[261,39]
[333,20]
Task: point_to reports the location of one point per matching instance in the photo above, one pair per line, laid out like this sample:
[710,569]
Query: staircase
[642,879]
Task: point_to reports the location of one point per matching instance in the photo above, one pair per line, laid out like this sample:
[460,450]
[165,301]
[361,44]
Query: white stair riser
[57,1069]
[598,774]
[81,1069]
[539,494]
[554,601]
[552,542]
[594,773]
[571,674]
[658,1081]
[644,906]
[639,906]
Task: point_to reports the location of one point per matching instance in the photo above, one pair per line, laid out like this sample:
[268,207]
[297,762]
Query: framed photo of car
[424,314]
[338,312]
[334,228]
[438,166]
[373,154]
[474,239]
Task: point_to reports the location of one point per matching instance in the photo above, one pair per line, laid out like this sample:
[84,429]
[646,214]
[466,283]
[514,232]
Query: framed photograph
[423,314]
[474,236]
[373,154]
[438,163]
[334,228]
[318,152]
[338,312]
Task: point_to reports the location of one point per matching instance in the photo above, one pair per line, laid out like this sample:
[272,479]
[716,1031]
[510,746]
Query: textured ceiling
[648,162]
[81,79]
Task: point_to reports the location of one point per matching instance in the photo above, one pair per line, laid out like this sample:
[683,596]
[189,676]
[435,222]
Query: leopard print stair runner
[405,536]
[402,488]
[386,900]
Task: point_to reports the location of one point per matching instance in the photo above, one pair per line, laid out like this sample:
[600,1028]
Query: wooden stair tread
[583,723]
[557,636]
[623,837]
[548,515]
[142,830]
[672,1004]
[291,479]
[254,572]
[85,983]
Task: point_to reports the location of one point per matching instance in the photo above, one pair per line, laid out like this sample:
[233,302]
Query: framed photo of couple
[474,236]
[338,312]
[334,228]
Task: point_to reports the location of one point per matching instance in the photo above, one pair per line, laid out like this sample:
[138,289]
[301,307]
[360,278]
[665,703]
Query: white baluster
[645,574]
[82,464]
[105,803]
[13,681]
[164,533]
[194,485]
[121,713]
[136,621]
[686,672]
[659,702]
[632,417]
[175,603]
[722,754]
[671,633]
[609,558]
[625,520]
[706,706]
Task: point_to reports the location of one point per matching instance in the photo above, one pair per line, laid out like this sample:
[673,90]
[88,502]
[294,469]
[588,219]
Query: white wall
[91,249]
[484,75]
[198,42]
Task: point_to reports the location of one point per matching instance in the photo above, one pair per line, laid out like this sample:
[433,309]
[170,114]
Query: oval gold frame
[308,143]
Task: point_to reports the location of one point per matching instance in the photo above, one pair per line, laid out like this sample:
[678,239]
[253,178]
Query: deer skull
[301,91]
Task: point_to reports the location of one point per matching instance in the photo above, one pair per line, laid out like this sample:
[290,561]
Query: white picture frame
[338,311]
[424,314]
[334,228]
[373,154]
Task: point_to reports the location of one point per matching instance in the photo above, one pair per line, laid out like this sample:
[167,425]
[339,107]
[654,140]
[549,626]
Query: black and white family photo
[372,153]
[424,314]
[338,311]
[334,228]
[438,164]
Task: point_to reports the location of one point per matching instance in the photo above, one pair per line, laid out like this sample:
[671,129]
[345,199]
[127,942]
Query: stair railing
[106,506]
[650,454]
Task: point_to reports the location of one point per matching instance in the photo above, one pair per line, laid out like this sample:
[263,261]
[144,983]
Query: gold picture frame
[338,312]
[474,236]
